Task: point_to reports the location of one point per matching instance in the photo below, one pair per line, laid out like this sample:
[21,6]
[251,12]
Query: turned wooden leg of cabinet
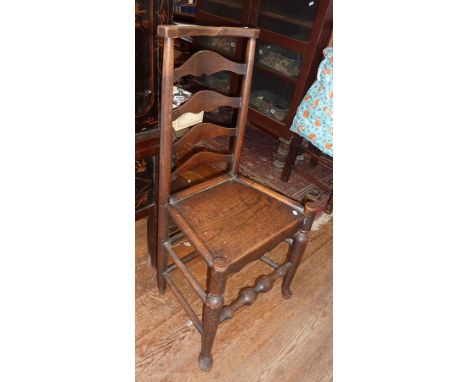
[283,150]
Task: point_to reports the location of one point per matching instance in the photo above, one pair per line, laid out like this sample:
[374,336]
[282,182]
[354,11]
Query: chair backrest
[202,62]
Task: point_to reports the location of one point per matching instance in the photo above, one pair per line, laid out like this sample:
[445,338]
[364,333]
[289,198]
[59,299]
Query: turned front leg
[297,249]
[212,310]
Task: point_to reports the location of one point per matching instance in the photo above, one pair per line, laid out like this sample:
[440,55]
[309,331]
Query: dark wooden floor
[272,340]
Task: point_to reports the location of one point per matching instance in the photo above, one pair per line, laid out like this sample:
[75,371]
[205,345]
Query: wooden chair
[230,220]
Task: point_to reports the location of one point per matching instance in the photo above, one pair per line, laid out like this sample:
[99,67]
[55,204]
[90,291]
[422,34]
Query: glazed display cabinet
[293,35]
[148,53]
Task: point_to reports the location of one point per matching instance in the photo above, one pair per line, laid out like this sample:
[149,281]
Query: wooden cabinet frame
[147,122]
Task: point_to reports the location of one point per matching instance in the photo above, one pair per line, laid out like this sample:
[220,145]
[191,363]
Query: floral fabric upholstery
[314,117]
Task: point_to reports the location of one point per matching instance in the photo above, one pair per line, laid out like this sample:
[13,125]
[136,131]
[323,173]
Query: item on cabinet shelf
[185,8]
[275,58]
[188,8]
[269,104]
[180,96]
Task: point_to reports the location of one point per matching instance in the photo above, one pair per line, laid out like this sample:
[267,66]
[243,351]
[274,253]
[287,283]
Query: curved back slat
[207,62]
[206,100]
[202,131]
[201,158]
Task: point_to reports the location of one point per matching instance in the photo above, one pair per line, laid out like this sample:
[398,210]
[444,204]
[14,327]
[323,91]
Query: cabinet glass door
[271,96]
[144,86]
[293,18]
[224,45]
[221,81]
[230,9]
[279,59]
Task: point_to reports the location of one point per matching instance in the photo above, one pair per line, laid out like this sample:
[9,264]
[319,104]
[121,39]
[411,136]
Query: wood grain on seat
[234,220]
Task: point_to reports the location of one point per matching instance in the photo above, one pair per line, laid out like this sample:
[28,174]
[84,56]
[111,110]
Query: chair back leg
[297,249]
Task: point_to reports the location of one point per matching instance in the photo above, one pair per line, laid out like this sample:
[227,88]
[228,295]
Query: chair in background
[230,220]
[298,145]
[313,127]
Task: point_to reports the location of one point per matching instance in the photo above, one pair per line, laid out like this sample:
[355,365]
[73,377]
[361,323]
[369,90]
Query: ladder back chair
[230,220]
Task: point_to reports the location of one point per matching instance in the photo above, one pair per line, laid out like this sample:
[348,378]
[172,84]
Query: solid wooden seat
[234,220]
[229,220]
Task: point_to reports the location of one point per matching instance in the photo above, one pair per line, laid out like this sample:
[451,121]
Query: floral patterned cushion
[314,117]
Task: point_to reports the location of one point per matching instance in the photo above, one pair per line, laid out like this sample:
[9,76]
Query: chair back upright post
[242,115]
[165,155]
